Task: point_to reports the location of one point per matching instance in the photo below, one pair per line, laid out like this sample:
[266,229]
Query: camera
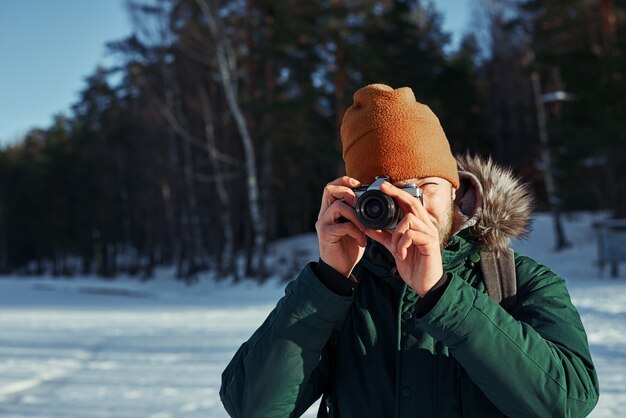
[375,209]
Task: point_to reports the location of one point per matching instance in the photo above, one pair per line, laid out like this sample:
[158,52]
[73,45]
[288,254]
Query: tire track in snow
[81,358]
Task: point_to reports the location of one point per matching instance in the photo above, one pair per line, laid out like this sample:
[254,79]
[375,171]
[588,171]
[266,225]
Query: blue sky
[48,47]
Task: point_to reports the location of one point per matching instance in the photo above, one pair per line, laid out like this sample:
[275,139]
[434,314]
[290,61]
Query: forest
[217,129]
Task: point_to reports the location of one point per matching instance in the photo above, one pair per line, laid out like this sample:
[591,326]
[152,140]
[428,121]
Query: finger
[418,239]
[409,222]
[339,210]
[336,232]
[407,202]
[345,181]
[338,189]
[342,192]
[334,193]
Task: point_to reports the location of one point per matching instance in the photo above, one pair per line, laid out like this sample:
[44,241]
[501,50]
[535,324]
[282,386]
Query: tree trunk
[608,25]
[546,156]
[147,269]
[170,220]
[190,221]
[4,256]
[127,244]
[266,151]
[228,80]
[227,256]
[341,80]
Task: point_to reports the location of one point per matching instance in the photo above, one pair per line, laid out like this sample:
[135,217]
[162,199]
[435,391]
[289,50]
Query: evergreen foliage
[153,170]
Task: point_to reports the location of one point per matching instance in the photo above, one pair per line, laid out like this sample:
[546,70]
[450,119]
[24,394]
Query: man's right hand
[341,236]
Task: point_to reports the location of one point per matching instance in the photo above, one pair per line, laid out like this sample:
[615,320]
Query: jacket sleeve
[281,369]
[534,361]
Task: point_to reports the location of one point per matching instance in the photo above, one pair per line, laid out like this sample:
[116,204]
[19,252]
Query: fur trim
[506,203]
[468,202]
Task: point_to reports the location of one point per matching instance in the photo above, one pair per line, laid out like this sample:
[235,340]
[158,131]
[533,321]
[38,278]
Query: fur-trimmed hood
[493,203]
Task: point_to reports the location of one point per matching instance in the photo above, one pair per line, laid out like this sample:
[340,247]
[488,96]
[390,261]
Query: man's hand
[414,243]
[341,236]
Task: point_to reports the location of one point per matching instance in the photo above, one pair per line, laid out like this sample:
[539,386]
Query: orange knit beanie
[386,132]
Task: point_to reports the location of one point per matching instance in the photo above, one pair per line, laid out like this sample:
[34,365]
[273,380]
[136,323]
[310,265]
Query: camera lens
[373,208]
[376,210]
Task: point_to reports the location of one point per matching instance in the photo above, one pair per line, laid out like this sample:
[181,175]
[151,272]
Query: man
[420,336]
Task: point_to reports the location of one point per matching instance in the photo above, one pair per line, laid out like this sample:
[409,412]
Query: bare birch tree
[227,258]
[226,65]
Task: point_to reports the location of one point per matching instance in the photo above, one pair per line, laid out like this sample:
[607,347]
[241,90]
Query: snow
[82,348]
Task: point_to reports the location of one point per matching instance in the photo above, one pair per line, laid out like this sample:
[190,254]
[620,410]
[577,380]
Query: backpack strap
[500,277]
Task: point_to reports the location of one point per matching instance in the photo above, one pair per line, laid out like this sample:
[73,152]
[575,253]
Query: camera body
[377,210]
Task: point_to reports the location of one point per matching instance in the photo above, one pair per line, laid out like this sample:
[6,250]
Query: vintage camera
[375,209]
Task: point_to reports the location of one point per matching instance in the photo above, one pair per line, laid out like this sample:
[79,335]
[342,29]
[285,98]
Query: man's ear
[469,197]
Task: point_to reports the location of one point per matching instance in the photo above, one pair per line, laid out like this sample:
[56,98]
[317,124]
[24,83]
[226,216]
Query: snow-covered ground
[91,348]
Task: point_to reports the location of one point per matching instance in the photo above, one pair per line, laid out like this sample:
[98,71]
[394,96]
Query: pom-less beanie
[386,132]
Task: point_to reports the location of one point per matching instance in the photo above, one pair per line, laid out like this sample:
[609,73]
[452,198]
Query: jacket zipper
[399,349]
[436,367]
[460,388]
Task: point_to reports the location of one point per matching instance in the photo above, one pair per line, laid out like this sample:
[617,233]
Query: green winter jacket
[464,357]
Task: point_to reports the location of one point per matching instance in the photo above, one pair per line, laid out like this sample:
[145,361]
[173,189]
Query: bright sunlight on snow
[82,348]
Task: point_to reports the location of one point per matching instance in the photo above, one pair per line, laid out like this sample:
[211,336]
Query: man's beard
[445,227]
